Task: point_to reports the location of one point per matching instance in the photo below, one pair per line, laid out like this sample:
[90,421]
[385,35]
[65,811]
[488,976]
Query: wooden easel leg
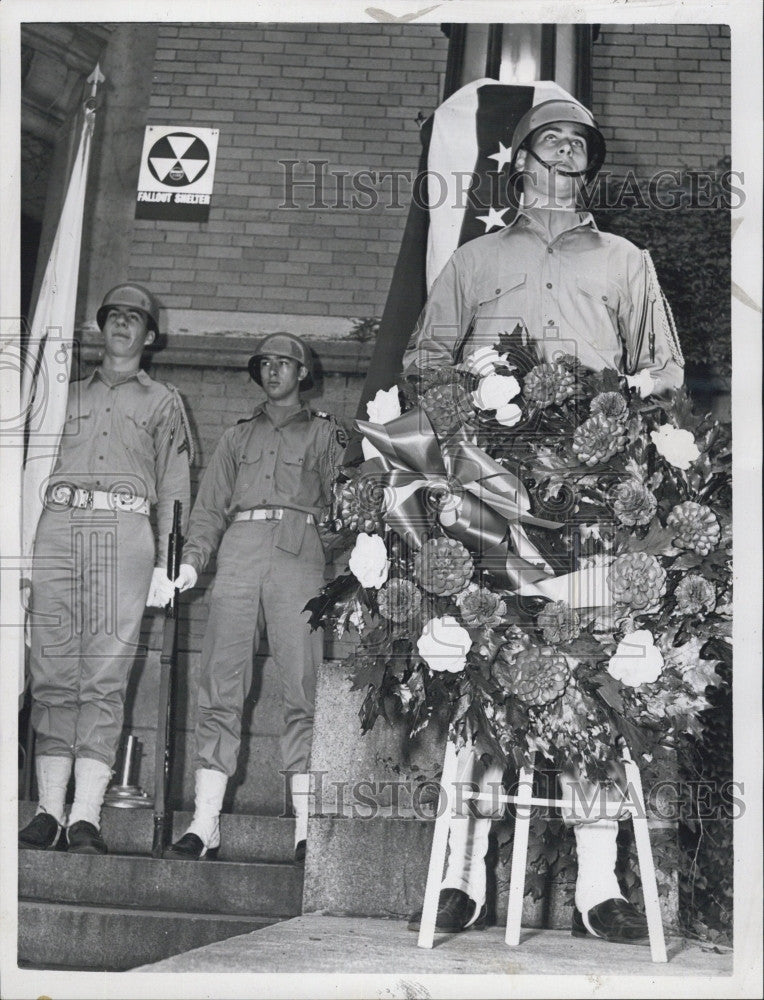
[519,855]
[438,851]
[646,864]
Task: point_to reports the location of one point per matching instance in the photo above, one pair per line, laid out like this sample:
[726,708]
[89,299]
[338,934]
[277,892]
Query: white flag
[45,380]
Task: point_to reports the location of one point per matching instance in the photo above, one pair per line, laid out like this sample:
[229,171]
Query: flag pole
[47,363]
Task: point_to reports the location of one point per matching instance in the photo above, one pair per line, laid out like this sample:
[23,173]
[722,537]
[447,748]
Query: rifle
[168,660]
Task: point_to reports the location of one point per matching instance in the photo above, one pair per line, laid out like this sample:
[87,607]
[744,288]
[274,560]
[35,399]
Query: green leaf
[369,671]
[658,541]
[690,560]
[585,645]
[609,691]
[636,738]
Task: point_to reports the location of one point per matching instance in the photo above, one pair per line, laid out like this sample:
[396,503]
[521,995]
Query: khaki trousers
[90,579]
[254,576]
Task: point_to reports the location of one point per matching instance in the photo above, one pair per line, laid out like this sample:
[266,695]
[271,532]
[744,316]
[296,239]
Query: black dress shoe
[190,848]
[613,920]
[43,833]
[299,854]
[83,838]
[456,912]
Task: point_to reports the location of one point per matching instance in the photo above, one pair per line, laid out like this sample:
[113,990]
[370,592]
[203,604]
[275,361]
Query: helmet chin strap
[548,166]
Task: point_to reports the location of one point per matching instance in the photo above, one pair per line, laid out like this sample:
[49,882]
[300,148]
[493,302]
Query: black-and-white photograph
[370,379]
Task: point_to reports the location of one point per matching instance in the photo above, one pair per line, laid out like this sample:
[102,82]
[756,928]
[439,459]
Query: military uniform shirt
[130,436]
[258,464]
[582,293]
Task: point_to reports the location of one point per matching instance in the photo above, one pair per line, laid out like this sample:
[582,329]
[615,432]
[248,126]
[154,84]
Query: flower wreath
[540,550]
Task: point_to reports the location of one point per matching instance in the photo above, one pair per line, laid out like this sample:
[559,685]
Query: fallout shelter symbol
[178,159]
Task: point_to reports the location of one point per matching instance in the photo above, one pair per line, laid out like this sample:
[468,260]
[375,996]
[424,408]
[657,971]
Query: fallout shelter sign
[177,172]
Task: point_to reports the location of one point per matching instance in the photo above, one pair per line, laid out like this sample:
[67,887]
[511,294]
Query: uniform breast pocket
[250,469]
[78,426]
[599,301]
[137,435]
[295,471]
[500,308]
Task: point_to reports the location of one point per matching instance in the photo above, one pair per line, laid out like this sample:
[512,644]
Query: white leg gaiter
[52,778]
[91,778]
[595,839]
[208,801]
[468,841]
[596,850]
[300,787]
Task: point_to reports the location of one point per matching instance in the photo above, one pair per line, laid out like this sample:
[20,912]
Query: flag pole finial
[95,78]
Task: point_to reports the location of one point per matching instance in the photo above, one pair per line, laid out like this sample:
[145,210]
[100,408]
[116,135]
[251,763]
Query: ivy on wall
[691,250]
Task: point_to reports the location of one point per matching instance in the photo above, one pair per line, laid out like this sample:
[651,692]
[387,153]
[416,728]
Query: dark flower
[609,404]
[399,600]
[695,594]
[559,622]
[480,607]
[633,503]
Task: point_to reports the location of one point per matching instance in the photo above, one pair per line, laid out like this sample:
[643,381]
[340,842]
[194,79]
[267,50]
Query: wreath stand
[523,801]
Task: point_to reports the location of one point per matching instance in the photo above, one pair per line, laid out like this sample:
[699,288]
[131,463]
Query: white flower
[643,382]
[588,531]
[509,414]
[444,644]
[356,617]
[381,410]
[637,659]
[495,391]
[676,446]
[368,561]
[384,407]
[484,361]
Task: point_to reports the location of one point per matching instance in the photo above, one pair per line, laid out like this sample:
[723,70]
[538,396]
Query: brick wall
[348,94]
[662,92]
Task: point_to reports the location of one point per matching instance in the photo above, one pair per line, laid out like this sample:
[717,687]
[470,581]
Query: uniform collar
[524,219]
[140,375]
[304,413]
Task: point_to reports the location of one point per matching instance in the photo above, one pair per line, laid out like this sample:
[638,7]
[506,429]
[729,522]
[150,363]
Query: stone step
[243,837]
[231,888]
[113,939]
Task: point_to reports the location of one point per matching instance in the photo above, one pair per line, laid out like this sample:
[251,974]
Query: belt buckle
[272,514]
[62,494]
[123,499]
[87,502]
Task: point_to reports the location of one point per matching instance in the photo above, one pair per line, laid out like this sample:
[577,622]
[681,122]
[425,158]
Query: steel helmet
[283,345]
[559,110]
[130,296]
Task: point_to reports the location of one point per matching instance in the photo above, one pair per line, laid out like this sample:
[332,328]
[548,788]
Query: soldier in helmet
[259,506]
[573,290]
[124,449]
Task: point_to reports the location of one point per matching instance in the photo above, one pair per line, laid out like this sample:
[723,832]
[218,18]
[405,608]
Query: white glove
[187,577]
[161,591]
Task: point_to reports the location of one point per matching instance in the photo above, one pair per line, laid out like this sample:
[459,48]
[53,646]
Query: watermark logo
[317,184]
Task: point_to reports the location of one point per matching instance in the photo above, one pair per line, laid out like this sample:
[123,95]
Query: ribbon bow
[475,499]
